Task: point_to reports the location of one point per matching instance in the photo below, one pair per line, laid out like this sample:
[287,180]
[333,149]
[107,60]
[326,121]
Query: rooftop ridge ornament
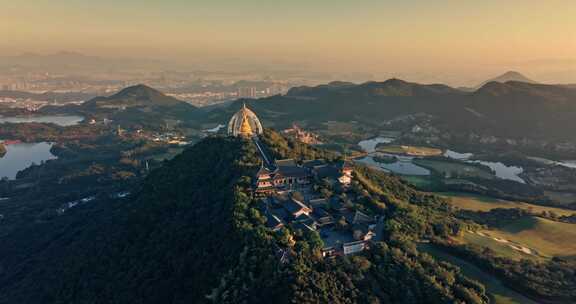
[244,123]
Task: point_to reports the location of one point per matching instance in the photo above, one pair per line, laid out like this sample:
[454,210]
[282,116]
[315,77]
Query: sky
[456,41]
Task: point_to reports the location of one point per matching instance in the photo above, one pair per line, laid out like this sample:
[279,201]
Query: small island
[408,150]
[385,159]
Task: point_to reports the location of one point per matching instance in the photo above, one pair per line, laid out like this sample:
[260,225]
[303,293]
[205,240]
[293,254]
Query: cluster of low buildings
[343,230]
[288,175]
[289,199]
[23,103]
[302,135]
[170,138]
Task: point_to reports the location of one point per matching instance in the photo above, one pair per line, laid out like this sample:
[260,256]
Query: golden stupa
[244,123]
[245,128]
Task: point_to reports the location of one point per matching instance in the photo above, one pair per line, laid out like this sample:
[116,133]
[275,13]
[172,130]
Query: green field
[542,237]
[498,291]
[409,150]
[528,237]
[548,238]
[485,203]
[454,169]
[499,248]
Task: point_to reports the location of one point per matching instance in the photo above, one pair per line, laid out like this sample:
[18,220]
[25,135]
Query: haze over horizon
[445,41]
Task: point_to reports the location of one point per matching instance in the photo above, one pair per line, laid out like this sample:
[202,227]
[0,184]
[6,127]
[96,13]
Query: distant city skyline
[454,42]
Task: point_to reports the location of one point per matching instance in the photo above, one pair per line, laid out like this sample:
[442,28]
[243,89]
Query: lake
[61,120]
[501,170]
[20,156]
[403,166]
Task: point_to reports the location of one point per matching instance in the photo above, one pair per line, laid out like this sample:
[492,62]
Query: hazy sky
[455,41]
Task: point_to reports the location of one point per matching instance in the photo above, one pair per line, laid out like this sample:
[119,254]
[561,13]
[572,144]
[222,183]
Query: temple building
[288,175]
[244,124]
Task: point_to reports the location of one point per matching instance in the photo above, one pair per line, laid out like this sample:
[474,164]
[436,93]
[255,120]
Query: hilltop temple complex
[287,191]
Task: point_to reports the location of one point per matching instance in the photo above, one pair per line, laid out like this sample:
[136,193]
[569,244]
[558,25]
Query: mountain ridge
[506,77]
[137,95]
[392,87]
[506,110]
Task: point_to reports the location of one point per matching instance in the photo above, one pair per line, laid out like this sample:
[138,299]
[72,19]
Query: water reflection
[403,166]
[20,156]
[501,170]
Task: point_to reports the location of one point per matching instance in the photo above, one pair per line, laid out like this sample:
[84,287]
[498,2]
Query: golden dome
[244,123]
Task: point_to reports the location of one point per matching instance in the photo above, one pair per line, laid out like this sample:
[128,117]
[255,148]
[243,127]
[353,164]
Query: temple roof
[286,162]
[294,171]
[293,205]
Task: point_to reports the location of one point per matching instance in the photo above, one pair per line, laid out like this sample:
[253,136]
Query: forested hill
[138,95]
[192,234]
[136,105]
[171,243]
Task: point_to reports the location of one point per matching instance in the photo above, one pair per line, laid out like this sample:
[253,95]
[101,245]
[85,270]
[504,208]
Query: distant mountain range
[511,109]
[389,88]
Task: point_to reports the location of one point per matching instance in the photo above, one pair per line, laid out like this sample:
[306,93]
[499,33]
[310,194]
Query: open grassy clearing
[548,238]
[529,237]
[500,247]
[484,203]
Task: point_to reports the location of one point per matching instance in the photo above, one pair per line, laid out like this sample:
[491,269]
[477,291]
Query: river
[20,156]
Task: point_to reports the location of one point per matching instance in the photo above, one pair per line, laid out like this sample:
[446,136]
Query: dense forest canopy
[193,233]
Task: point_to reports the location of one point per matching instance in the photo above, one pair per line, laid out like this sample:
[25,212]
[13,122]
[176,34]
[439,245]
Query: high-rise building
[247,92]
